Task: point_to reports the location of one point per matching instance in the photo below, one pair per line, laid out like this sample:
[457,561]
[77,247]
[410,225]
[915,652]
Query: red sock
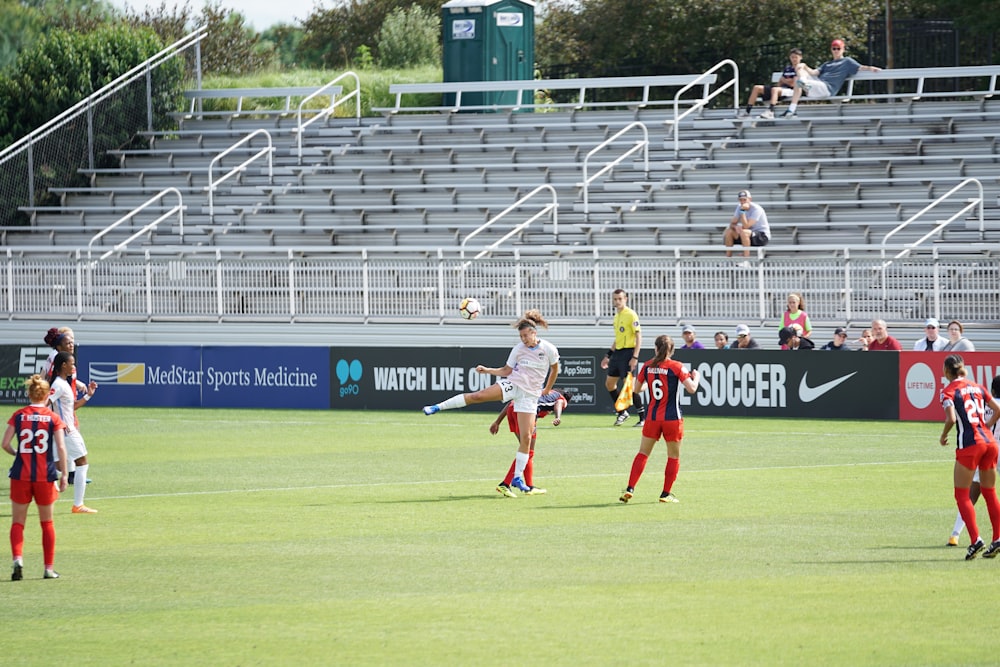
[529,468]
[968,512]
[16,540]
[670,474]
[993,507]
[510,475]
[638,465]
[48,543]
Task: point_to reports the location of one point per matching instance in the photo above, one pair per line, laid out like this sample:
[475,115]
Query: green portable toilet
[488,40]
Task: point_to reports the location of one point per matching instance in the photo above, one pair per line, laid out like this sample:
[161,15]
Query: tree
[332,36]
[409,37]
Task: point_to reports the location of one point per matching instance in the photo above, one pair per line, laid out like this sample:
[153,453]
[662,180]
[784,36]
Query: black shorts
[618,363]
[758,239]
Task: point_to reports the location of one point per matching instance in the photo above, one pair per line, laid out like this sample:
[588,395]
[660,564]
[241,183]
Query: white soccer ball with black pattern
[469,309]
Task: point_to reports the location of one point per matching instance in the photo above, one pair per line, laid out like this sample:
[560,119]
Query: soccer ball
[469,309]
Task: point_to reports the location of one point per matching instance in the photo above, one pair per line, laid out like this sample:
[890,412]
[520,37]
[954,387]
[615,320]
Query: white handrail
[733,83]
[356,94]
[178,209]
[269,151]
[78,108]
[552,208]
[644,145]
[943,223]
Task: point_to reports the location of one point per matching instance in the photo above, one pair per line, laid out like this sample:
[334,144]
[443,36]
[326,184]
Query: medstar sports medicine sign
[815,384]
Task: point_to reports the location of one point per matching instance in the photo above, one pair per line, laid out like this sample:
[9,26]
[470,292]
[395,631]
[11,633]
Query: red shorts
[44,493]
[512,421]
[671,430]
[981,457]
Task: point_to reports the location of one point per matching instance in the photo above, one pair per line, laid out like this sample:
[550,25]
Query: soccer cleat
[519,484]
[50,574]
[622,416]
[993,550]
[17,574]
[83,509]
[640,423]
[767,115]
[953,541]
[627,494]
[505,491]
[668,498]
[535,491]
[431,409]
[974,549]
[789,114]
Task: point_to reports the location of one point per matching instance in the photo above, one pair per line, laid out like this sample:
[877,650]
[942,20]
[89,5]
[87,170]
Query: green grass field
[345,538]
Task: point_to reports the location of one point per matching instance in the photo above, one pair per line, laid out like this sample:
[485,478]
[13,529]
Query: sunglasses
[837,48]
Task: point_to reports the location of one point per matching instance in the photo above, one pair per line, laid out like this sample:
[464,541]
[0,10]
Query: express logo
[348,373]
[117,373]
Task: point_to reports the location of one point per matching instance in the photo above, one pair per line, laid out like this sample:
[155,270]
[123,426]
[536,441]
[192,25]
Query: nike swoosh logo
[809,394]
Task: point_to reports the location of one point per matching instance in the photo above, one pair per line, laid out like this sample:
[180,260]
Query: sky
[261,14]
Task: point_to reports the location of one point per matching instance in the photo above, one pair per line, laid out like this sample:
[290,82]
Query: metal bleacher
[411,188]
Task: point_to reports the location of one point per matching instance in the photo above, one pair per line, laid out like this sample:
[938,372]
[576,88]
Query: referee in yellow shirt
[623,356]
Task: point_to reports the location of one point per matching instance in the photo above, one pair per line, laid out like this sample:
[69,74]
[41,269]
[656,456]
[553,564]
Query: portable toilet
[488,40]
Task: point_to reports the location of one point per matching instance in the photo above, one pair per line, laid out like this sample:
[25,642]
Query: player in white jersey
[531,370]
[64,403]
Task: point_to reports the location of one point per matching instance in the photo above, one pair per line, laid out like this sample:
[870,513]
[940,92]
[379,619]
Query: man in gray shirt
[827,80]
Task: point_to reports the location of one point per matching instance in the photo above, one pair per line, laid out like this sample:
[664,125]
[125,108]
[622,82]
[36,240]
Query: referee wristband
[86,397]
[610,352]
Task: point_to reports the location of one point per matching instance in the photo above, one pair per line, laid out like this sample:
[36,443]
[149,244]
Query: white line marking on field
[491,480]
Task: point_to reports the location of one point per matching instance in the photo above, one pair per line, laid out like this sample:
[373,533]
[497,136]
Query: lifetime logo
[348,373]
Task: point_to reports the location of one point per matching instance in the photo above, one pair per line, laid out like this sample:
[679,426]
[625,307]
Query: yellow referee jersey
[626,327]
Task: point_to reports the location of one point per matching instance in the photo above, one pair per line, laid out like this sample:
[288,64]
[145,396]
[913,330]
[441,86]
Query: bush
[409,37]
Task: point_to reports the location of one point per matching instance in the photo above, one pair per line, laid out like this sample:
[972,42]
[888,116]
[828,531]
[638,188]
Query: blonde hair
[798,297]
[37,388]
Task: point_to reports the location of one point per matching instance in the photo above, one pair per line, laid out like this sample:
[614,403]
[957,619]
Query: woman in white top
[531,370]
[64,403]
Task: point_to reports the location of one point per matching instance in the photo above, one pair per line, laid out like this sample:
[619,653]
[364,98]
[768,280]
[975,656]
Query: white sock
[457,401]
[520,462]
[80,484]
[959,525]
[792,108]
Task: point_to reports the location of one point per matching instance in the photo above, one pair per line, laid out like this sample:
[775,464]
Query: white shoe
[767,115]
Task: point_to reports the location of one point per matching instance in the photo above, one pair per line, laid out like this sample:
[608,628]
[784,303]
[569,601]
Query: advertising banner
[921,379]
[409,378]
[814,384]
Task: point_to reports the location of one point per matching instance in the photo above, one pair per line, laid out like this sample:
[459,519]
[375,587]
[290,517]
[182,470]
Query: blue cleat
[431,409]
[519,484]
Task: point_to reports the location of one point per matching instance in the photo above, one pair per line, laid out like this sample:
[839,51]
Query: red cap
[837,42]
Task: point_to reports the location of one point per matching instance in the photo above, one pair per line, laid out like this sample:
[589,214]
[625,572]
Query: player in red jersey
[964,405]
[662,377]
[39,472]
[555,401]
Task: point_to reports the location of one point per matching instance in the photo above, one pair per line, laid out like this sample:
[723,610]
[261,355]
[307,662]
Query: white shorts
[523,401]
[75,447]
[814,88]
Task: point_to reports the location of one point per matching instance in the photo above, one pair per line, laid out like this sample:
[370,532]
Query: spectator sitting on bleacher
[932,342]
[749,225]
[784,88]
[827,80]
